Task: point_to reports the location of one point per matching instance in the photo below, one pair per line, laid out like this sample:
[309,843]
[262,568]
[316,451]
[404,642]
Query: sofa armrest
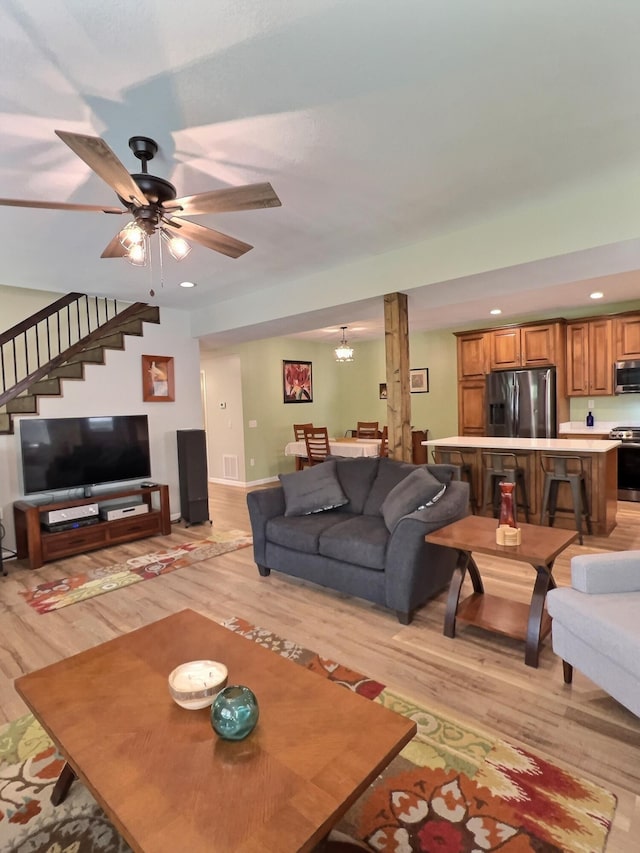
[263,504]
[616,571]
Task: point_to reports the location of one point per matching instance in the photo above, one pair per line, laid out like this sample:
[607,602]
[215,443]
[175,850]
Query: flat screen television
[70,453]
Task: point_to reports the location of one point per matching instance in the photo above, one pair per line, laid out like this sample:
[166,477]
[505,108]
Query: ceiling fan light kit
[152,203]
[138,253]
[131,235]
[178,246]
[343,351]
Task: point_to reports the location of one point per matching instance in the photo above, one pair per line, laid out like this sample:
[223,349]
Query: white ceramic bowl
[196,684]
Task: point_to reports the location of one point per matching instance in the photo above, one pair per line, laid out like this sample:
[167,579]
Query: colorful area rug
[453,789]
[61,593]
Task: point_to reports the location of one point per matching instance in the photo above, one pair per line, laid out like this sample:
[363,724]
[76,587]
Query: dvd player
[59,526]
[70,513]
[111,513]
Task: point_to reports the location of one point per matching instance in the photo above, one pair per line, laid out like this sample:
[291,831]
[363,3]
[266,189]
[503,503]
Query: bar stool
[504,468]
[565,469]
[455,457]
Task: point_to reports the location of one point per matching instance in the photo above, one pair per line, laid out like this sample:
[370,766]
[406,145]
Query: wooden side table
[540,546]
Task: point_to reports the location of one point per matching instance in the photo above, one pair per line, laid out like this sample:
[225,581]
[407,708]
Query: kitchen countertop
[566,445]
[600,427]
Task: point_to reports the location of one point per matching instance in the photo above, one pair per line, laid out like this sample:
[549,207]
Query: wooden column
[396,343]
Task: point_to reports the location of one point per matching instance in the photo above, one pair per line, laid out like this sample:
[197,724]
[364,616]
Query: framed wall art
[419,380]
[297,383]
[157,379]
[383,390]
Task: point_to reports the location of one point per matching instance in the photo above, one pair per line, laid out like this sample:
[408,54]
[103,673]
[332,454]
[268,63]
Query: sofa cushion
[301,533]
[418,490]
[356,474]
[361,540]
[313,489]
[390,473]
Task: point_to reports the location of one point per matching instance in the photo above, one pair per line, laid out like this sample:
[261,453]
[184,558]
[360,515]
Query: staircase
[54,345]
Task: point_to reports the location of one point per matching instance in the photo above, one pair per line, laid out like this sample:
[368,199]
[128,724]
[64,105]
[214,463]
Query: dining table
[337,447]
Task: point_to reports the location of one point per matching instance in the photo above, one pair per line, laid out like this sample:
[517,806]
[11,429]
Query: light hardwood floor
[477,677]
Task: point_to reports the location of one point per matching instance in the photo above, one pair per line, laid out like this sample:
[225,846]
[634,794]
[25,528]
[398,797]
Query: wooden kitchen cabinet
[627,337]
[590,358]
[473,361]
[480,351]
[471,406]
[535,345]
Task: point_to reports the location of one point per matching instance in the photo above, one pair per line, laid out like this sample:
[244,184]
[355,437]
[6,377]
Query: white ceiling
[379,124]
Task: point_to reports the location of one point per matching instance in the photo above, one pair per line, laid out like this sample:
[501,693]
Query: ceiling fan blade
[248,197]
[208,237]
[96,153]
[115,249]
[58,205]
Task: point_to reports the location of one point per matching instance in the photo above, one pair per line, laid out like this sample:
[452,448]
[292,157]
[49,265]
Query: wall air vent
[230,467]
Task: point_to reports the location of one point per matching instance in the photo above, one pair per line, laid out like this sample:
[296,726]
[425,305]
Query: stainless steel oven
[628,462]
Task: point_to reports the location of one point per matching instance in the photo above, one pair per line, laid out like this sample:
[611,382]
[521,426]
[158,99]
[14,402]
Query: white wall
[225,433]
[115,388]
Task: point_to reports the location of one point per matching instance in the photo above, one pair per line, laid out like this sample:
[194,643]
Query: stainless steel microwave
[627,377]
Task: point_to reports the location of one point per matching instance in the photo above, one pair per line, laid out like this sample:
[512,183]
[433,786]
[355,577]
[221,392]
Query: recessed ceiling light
[187,284]
[495,311]
[596,295]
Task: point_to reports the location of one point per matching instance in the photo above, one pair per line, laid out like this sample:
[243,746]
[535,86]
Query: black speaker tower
[192,471]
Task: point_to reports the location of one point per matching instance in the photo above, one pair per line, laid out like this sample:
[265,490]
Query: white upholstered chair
[596,623]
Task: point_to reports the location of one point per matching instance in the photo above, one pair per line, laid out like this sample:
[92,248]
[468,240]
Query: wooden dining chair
[367,429]
[317,442]
[299,431]
[384,441]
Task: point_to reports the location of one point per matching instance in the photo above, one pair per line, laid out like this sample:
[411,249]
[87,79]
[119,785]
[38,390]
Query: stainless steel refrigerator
[521,403]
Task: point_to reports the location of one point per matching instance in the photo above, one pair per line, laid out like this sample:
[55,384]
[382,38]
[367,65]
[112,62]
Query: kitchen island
[600,461]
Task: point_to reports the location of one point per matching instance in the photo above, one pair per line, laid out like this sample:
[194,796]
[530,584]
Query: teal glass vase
[234,712]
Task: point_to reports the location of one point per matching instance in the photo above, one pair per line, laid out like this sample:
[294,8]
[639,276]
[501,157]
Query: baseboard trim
[240,484]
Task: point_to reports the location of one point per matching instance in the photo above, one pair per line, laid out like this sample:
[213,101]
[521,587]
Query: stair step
[93,356]
[68,371]
[149,314]
[114,340]
[47,387]
[133,326]
[27,405]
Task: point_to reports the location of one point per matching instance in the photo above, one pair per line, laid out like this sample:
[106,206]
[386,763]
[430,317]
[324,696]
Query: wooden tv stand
[41,546]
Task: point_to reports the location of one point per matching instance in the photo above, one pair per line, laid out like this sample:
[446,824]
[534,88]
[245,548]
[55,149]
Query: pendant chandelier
[343,351]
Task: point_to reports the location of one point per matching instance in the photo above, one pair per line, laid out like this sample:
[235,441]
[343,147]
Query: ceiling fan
[152,203]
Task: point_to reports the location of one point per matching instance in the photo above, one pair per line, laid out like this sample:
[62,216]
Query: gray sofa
[368,543]
[596,623]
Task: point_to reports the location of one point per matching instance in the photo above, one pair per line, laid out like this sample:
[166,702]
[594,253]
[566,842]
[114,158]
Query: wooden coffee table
[163,777]
[540,546]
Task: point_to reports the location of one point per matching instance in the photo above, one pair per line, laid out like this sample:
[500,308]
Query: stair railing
[29,348]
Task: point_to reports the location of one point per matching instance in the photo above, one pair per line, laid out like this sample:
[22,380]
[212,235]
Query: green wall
[342,393]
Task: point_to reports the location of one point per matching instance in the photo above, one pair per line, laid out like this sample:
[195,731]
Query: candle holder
[195,684]
[507,532]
